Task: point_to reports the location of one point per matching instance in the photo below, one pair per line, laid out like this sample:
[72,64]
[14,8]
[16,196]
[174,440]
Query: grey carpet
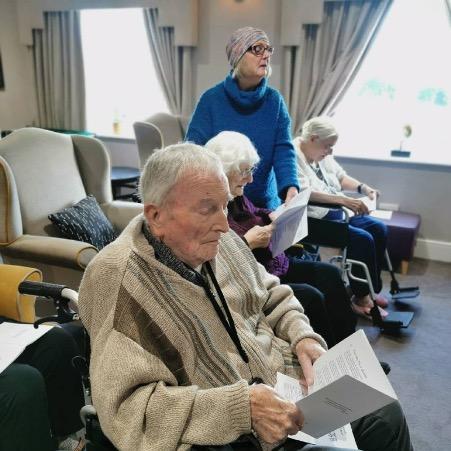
[420,356]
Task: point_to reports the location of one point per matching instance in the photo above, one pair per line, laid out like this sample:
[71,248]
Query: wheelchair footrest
[394,321]
[406,293]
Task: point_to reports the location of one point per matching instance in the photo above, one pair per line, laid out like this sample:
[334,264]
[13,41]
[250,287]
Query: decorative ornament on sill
[406,134]
[117,123]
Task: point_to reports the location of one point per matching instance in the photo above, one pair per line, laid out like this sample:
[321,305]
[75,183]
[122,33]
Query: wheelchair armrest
[325,205]
[59,294]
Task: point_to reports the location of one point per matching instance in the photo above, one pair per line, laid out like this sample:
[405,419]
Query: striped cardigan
[165,374]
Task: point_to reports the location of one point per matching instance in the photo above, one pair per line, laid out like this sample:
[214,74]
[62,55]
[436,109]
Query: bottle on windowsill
[116,123]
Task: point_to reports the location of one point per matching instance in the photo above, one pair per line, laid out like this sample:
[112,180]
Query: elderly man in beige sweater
[183,321]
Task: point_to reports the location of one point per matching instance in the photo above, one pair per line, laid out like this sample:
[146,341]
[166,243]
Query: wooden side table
[402,233]
[124,177]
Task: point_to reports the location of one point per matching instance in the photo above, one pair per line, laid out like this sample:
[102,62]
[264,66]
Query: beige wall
[17,102]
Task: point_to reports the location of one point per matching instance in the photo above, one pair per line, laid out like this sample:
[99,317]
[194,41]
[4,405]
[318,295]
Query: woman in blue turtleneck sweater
[244,103]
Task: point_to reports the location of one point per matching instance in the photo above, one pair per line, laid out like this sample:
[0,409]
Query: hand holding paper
[349,383]
[290,223]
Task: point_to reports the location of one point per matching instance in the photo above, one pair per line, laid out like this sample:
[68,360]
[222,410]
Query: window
[121,83]
[404,85]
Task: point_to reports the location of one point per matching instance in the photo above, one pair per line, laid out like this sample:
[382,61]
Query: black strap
[228,322]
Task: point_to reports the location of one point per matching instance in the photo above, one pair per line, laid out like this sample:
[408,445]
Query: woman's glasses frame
[247,172]
[260,49]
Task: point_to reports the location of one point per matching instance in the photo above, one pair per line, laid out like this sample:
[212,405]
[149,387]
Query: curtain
[59,72]
[172,63]
[448,8]
[318,72]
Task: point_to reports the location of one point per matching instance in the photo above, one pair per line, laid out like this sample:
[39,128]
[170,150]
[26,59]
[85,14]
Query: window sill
[412,161]
[116,138]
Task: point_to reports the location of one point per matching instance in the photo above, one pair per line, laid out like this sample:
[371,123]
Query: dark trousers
[313,303]
[340,320]
[383,430]
[367,243]
[53,390]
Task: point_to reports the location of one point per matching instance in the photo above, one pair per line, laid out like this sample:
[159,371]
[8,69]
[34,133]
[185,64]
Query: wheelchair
[64,299]
[335,234]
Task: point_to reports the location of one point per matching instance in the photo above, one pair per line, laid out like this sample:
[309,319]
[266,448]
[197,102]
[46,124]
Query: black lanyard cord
[228,322]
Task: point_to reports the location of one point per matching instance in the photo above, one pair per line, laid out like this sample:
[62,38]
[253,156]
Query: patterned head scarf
[240,41]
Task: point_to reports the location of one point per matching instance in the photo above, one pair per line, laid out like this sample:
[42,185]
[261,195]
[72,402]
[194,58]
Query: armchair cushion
[85,221]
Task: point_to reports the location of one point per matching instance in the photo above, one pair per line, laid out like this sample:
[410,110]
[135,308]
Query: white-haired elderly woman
[244,103]
[368,236]
[329,309]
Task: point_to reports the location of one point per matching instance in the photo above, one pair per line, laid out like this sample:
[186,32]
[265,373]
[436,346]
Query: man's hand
[307,351]
[291,192]
[273,418]
[356,205]
[259,236]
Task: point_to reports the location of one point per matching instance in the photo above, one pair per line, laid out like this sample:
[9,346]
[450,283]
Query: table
[124,177]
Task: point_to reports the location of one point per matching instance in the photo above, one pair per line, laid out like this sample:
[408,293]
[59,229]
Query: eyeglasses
[260,49]
[247,172]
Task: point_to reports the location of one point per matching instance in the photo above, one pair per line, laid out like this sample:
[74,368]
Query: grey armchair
[157,131]
[42,172]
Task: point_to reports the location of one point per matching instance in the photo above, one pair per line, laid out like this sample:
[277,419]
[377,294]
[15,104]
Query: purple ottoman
[402,233]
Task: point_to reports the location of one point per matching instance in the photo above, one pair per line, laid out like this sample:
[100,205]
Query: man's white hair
[165,167]
[233,149]
[320,126]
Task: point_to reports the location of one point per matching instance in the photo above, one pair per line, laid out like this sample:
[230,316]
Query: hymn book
[349,383]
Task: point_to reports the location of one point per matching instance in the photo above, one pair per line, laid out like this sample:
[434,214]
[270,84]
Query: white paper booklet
[289,389]
[290,223]
[382,214]
[349,384]
[15,338]
[370,203]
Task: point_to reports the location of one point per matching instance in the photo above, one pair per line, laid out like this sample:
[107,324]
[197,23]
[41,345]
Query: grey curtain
[448,7]
[172,63]
[59,72]
[319,70]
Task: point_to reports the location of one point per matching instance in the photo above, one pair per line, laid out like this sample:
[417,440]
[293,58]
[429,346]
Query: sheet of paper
[340,402]
[370,203]
[349,383]
[381,214]
[15,338]
[290,223]
[289,389]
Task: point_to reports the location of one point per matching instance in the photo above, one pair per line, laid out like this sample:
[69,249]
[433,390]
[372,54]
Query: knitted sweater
[242,216]
[165,374]
[262,116]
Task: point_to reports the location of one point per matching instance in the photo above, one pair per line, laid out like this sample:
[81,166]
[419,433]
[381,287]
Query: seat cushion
[85,221]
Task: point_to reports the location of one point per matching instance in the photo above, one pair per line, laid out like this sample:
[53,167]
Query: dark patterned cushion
[85,221]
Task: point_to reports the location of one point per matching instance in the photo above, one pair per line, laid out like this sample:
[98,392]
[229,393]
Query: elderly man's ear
[154,218]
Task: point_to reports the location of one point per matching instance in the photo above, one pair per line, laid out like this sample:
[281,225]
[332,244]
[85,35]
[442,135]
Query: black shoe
[386,367]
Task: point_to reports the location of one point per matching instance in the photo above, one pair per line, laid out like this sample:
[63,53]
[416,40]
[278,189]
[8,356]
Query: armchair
[157,131]
[42,172]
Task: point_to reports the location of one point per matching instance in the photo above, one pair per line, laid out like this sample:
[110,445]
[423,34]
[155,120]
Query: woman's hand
[356,205]
[292,191]
[372,193]
[259,236]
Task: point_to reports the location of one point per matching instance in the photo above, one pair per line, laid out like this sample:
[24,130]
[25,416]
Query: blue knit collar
[245,99]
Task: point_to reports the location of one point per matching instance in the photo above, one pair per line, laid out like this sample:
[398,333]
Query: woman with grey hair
[367,235]
[317,285]
[244,102]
